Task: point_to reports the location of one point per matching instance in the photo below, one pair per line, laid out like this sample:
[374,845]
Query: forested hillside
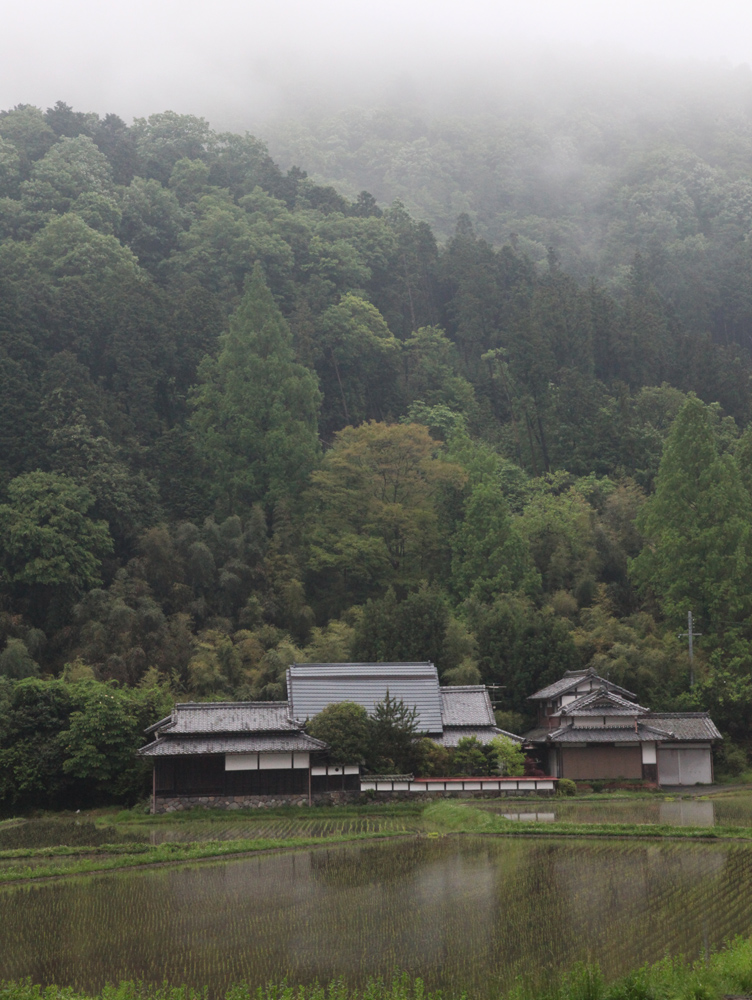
[245,420]
[598,163]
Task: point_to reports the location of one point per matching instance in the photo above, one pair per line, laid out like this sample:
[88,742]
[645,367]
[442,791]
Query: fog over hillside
[237,64]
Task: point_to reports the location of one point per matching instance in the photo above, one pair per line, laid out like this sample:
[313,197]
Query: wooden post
[154,789]
[309,781]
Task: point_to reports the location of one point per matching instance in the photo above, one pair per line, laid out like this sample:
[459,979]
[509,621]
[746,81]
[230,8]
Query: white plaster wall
[241,762]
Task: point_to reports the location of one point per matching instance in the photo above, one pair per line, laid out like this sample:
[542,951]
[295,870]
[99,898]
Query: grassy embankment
[48,861]
[727,972]
[456,817]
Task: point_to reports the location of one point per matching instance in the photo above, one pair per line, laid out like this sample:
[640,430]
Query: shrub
[731,759]
[432,760]
[565,786]
[510,755]
[469,757]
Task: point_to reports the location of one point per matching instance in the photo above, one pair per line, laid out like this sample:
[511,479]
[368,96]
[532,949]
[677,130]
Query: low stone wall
[176,803]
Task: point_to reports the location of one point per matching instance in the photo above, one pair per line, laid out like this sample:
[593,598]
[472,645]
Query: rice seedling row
[463,912]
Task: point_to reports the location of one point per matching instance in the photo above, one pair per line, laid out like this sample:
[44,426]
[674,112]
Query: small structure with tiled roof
[590,728]
[466,710]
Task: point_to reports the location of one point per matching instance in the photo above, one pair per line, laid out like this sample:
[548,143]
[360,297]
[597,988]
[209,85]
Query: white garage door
[684,766]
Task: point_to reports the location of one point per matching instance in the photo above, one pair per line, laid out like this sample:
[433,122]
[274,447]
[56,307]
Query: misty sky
[230,60]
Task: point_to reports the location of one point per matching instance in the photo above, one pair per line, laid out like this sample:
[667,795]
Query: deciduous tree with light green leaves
[373,508]
[509,755]
[256,408]
[490,556]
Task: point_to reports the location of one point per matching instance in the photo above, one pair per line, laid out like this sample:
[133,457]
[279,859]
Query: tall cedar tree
[256,408]
[699,528]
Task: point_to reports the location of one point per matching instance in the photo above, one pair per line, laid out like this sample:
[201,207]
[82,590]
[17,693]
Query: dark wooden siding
[335,783]
[206,775]
[285,781]
[596,762]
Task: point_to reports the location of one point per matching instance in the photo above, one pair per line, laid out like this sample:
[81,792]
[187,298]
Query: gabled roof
[192,718]
[569,682]
[313,686]
[603,702]
[466,705]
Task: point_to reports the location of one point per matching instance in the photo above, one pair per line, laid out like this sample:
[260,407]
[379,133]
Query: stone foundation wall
[176,803]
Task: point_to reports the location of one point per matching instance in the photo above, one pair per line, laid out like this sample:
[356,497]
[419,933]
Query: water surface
[464,913]
[733,809]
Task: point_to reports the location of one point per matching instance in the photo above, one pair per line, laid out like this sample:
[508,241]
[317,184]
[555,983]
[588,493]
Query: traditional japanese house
[444,714]
[590,728]
[234,754]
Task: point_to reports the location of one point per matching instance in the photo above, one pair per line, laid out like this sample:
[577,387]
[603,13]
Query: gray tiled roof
[453,734]
[228,717]
[574,734]
[313,686]
[158,725]
[280,743]
[570,680]
[659,727]
[466,705]
[537,735]
[685,725]
[603,702]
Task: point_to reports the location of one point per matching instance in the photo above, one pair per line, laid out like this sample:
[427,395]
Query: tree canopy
[249,419]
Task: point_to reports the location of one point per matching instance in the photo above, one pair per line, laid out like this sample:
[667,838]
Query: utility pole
[689,634]
[495,687]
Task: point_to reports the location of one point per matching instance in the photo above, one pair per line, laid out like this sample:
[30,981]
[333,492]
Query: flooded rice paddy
[732,809]
[279,828]
[465,913]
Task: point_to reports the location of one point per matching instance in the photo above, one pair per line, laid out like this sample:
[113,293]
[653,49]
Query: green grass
[454,817]
[108,857]
[745,778]
[728,971]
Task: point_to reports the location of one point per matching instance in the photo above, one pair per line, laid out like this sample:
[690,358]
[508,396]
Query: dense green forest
[246,420]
